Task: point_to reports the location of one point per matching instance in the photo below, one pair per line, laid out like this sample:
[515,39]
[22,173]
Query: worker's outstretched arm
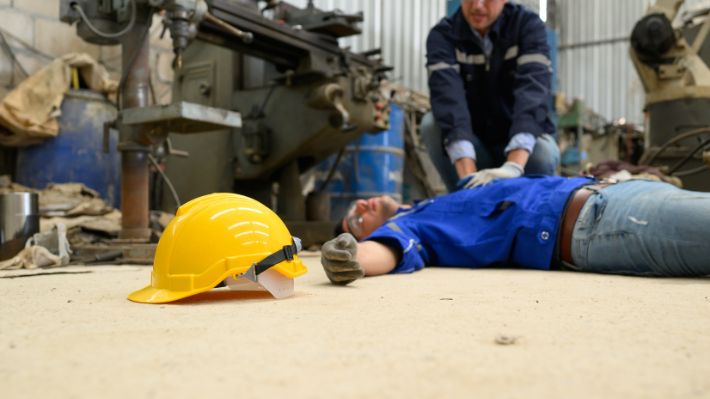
[375,258]
[345,260]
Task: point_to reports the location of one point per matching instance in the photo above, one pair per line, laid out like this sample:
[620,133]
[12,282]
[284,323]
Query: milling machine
[676,79]
[270,97]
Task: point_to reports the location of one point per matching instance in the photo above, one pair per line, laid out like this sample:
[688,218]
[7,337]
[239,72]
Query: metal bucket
[19,220]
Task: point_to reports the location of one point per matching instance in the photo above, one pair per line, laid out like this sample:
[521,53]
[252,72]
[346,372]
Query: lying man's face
[365,216]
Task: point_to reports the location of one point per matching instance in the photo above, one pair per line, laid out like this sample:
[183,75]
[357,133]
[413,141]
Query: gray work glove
[338,257]
[509,170]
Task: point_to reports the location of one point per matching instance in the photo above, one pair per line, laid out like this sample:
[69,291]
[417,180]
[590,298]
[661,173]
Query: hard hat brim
[151,294]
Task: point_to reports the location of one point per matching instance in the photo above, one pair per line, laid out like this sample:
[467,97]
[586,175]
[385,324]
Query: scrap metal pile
[75,226]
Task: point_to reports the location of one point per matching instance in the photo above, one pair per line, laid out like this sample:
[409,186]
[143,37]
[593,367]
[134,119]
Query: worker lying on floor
[637,227]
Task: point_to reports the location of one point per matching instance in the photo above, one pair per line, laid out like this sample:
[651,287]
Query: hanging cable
[113,35]
[26,45]
[15,61]
[266,100]
[165,178]
[331,173]
[674,170]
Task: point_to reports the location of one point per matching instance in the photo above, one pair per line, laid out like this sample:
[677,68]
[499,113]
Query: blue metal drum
[76,154]
[371,166]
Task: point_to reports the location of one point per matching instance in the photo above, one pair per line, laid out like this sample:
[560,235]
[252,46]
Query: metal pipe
[134,148]
[134,195]
[602,42]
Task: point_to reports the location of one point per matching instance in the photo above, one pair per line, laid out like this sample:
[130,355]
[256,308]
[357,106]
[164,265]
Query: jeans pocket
[585,229]
[599,206]
[591,212]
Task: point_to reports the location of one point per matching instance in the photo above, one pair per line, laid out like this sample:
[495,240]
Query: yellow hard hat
[222,237]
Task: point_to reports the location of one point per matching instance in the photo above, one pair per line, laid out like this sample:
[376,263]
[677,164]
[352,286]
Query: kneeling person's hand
[338,257]
[509,170]
[463,183]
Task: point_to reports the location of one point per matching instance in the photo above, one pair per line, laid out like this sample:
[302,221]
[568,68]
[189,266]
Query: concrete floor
[438,333]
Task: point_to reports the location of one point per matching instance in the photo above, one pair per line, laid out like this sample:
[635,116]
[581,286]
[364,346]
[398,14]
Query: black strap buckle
[289,251]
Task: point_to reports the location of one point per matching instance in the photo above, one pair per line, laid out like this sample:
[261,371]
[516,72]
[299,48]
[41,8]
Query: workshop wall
[36,36]
[399,27]
[593,58]
[31,36]
[594,62]
[531,4]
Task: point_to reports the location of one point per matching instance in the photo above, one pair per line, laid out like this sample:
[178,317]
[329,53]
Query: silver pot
[19,220]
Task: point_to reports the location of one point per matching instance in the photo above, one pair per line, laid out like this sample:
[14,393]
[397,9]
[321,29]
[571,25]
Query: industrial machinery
[576,129]
[676,78]
[270,97]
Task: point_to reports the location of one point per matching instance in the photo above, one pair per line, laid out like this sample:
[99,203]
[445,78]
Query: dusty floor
[428,335]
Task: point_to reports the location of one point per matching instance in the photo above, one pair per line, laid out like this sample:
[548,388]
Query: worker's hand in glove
[509,170]
[338,257]
[463,182]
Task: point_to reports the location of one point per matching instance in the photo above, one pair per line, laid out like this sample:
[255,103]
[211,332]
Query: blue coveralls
[638,227]
[508,222]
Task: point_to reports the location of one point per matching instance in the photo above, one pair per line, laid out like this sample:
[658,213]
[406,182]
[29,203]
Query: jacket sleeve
[533,76]
[448,97]
[404,243]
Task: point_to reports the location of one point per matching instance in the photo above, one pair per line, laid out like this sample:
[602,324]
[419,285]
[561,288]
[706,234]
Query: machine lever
[174,151]
[246,37]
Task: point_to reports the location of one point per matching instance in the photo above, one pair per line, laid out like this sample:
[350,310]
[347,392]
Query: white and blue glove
[509,170]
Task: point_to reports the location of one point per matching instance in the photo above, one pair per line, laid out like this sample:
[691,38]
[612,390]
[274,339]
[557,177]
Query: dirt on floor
[439,333]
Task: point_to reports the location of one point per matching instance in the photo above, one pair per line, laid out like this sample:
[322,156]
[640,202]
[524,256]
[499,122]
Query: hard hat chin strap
[285,253]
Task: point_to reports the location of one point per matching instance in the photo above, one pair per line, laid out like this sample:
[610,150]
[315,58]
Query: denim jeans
[543,161]
[643,228]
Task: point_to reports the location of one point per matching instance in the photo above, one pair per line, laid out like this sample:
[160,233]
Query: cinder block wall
[31,36]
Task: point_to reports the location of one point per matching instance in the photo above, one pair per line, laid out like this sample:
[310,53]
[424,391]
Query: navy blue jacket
[510,222]
[493,98]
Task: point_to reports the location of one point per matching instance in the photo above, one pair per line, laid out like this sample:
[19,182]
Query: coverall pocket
[484,209]
[495,208]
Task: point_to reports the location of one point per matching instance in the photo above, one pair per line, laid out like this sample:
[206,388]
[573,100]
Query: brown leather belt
[569,218]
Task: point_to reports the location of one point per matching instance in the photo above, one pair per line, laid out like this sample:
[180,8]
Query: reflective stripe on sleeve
[534,58]
[441,66]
